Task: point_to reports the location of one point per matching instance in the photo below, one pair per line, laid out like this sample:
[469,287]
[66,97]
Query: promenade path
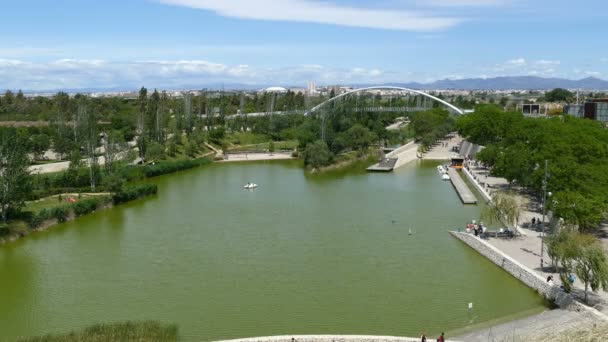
[332,338]
[443,149]
[526,248]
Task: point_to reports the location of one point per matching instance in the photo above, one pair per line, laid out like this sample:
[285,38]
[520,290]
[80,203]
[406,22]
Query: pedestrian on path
[441,338]
[423,337]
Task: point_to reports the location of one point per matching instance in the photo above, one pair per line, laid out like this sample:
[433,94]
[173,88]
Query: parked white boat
[250,186]
[445,177]
[441,169]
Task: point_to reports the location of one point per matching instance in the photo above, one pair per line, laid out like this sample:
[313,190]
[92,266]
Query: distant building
[276,90]
[312,88]
[594,109]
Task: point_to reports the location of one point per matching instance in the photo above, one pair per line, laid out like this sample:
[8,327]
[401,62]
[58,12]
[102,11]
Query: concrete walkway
[332,338]
[443,149]
[531,328]
[526,249]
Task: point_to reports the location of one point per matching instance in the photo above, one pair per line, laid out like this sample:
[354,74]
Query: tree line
[576,150]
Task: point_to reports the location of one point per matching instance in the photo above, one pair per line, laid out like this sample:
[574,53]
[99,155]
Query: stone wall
[528,276]
[486,195]
[331,338]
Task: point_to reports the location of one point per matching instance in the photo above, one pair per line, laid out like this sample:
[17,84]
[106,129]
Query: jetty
[396,158]
[466,195]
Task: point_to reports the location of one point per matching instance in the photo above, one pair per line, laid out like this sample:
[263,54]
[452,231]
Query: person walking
[423,337]
[441,338]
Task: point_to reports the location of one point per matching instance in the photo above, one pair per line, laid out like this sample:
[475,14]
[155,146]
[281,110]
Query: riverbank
[43,217]
[526,248]
[518,257]
[347,161]
[50,215]
[252,156]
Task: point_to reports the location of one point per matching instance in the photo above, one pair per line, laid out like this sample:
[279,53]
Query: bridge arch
[451,106]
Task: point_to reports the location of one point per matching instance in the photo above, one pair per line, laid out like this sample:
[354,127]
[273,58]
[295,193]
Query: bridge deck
[466,195]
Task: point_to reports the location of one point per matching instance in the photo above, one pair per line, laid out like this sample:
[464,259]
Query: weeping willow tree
[503,209]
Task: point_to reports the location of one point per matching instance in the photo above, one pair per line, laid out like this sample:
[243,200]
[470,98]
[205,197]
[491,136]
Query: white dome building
[276,90]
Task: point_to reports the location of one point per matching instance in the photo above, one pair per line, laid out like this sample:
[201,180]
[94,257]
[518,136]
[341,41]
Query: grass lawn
[278,146]
[245,138]
[53,201]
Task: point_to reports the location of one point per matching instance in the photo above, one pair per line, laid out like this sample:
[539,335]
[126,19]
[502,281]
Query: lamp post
[542,229]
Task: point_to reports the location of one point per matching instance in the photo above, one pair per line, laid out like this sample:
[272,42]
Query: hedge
[165,167]
[134,192]
[62,212]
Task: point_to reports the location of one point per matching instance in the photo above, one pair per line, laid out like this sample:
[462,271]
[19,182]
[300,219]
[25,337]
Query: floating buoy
[470,306]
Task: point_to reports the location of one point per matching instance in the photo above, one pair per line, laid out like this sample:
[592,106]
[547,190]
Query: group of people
[477,229]
[441,338]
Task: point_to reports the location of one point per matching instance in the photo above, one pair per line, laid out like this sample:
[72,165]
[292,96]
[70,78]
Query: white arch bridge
[417,92]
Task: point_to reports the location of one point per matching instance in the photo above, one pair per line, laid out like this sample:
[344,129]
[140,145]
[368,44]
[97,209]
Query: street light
[542,229]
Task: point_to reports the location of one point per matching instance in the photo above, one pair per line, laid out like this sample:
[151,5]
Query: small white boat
[441,169]
[445,177]
[250,186]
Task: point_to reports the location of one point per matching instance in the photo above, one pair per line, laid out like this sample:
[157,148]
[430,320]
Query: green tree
[592,266]
[577,210]
[317,154]
[15,178]
[39,144]
[559,95]
[359,137]
[504,208]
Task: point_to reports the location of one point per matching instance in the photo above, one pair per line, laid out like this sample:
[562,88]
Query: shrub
[85,206]
[4,230]
[163,168]
[135,192]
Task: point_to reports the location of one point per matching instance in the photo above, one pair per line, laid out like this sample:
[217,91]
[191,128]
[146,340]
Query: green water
[299,255]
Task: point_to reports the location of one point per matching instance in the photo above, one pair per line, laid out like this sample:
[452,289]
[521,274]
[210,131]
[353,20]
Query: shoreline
[576,315]
[254,156]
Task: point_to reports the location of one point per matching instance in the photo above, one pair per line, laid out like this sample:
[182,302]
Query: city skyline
[172,43]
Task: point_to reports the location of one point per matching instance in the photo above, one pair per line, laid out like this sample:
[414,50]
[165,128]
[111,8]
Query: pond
[301,254]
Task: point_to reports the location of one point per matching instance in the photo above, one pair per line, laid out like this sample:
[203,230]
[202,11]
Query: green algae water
[322,254]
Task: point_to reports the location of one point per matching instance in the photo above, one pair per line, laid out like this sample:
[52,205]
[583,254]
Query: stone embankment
[529,277]
[330,338]
[404,154]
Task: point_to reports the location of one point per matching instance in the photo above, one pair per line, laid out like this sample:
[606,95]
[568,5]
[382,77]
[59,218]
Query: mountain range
[512,83]
[495,83]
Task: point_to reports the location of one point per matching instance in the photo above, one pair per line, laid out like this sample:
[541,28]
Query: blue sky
[173,43]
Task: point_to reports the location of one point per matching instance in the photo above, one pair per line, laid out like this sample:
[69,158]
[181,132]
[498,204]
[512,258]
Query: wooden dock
[466,195]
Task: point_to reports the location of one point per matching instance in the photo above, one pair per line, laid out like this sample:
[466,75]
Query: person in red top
[441,338]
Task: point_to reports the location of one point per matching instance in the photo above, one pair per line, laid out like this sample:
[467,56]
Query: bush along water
[163,168]
[134,192]
[63,212]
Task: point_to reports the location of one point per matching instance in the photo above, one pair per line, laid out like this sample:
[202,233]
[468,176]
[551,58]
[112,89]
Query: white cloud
[517,62]
[74,74]
[466,3]
[322,13]
[544,62]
